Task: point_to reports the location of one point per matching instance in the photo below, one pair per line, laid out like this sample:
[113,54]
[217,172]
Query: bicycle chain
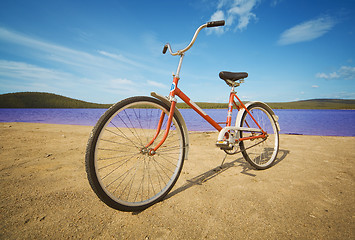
[245,148]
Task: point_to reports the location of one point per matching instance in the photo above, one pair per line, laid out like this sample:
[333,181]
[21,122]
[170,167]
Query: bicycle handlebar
[215,23]
[180,52]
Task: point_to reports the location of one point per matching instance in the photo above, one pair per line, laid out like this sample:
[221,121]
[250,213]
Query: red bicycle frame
[175,91]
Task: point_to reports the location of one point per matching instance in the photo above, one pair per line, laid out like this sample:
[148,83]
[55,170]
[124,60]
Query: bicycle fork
[152,151]
[172,99]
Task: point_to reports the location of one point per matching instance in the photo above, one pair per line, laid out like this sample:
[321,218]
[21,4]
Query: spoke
[168,160]
[131,181]
[116,167]
[173,155]
[126,173]
[139,121]
[162,149]
[141,185]
[159,175]
[119,156]
[149,177]
[134,176]
[124,135]
[113,150]
[110,141]
[129,119]
[161,166]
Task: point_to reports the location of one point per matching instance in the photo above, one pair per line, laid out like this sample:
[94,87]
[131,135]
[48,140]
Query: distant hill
[316,104]
[43,100]
[50,100]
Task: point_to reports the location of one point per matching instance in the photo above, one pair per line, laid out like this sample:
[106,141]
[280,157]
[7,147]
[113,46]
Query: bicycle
[136,150]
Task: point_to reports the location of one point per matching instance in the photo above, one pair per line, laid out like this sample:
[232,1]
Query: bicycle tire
[260,153]
[119,169]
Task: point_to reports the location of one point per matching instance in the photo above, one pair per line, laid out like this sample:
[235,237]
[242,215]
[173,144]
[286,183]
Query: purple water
[306,122]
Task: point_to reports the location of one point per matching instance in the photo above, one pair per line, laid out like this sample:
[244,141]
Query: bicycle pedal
[224,145]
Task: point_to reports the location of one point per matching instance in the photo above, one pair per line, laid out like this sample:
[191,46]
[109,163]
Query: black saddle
[231,77]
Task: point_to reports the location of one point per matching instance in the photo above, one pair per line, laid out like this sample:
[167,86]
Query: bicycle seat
[232,76]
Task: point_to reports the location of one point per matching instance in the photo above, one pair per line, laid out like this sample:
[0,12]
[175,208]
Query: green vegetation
[316,104]
[43,100]
[49,100]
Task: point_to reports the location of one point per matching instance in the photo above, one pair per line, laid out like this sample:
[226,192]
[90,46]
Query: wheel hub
[147,151]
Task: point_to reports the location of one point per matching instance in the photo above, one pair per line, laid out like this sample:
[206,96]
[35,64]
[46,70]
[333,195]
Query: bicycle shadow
[280,158]
[247,169]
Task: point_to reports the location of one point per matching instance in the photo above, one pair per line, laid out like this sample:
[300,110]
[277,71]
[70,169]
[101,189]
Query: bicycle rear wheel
[261,153]
[119,167]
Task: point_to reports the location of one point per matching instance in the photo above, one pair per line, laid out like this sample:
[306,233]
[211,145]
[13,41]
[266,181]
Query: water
[306,122]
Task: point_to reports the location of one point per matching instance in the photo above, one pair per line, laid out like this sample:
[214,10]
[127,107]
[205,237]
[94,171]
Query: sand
[308,194]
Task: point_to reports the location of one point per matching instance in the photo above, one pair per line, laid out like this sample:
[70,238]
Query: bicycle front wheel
[120,167]
[261,153]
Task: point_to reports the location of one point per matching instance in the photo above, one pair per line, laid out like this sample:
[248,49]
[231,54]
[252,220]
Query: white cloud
[70,59]
[59,68]
[29,72]
[275,2]
[344,72]
[347,72]
[234,12]
[120,58]
[327,76]
[307,31]
[130,62]
[122,81]
[242,9]
[315,86]
[122,86]
[20,76]
[156,84]
[80,61]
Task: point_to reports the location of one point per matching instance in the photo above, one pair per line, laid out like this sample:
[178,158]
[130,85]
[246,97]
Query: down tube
[197,109]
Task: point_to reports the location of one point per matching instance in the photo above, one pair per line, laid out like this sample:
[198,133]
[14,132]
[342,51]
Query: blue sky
[105,51]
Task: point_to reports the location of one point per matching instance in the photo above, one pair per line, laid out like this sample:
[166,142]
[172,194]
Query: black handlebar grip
[165,48]
[216,23]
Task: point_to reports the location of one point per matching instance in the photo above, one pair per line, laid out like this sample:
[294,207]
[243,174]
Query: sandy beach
[308,194]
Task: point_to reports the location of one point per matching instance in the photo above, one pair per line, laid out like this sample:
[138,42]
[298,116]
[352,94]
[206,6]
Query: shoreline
[190,131]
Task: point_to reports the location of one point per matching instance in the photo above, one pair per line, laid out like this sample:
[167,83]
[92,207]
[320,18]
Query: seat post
[232,84]
[179,66]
